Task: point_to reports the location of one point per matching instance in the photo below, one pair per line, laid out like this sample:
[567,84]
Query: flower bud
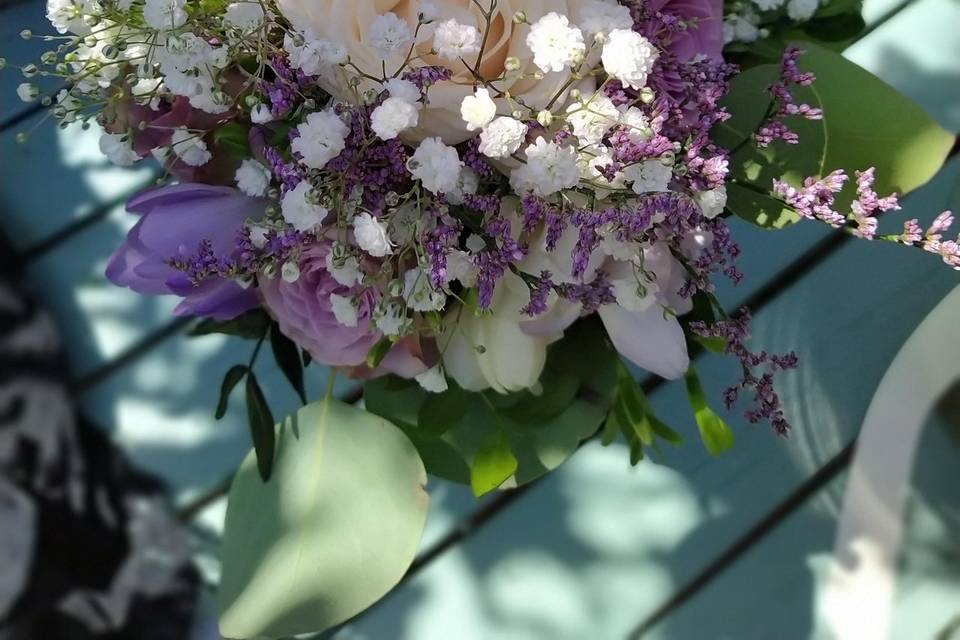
[545,117]
[519,17]
[512,63]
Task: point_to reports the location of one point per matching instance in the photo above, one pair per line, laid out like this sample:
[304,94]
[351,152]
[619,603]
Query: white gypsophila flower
[321,138]
[347,273]
[67,15]
[502,137]
[344,310]
[712,202]
[403,223]
[190,67]
[593,119]
[603,16]
[432,379]
[27,91]
[371,235]
[429,10]
[549,168]
[164,15]
[390,319]
[453,40]
[312,54]
[418,291]
[393,116]
[628,57]
[245,15]
[258,235]
[435,165]
[467,183]
[802,10]
[253,179]
[636,124]
[649,175]
[91,64]
[189,147]
[460,267]
[769,5]
[403,89]
[297,209]
[592,159]
[261,114]
[67,106]
[555,44]
[740,29]
[147,91]
[118,148]
[478,110]
[388,33]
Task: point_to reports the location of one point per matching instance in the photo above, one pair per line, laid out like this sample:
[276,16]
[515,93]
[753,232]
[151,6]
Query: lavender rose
[175,219]
[305,312]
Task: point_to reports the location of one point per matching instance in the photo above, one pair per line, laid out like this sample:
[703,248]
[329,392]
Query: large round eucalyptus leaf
[330,533]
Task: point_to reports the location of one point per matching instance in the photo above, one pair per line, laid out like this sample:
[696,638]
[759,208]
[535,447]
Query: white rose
[348,22]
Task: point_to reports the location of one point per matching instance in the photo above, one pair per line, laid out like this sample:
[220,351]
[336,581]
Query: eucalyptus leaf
[333,530]
[230,380]
[762,210]
[441,411]
[287,355]
[261,426]
[233,139]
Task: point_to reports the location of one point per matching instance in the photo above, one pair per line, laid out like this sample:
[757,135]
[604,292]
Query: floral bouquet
[492,212]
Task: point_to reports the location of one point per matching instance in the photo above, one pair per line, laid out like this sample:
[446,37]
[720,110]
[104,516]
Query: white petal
[648,339]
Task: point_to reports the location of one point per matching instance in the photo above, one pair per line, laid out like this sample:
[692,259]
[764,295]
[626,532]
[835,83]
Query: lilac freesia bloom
[175,219]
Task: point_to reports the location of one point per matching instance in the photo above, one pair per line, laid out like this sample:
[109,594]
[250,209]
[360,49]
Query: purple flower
[690,27]
[178,220]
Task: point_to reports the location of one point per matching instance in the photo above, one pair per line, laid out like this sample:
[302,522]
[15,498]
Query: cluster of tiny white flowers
[320,138]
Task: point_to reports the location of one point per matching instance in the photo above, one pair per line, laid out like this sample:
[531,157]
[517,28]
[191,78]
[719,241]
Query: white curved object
[858,595]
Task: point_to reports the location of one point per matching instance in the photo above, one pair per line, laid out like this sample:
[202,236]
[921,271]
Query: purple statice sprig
[757,370]
[784,105]
[817,197]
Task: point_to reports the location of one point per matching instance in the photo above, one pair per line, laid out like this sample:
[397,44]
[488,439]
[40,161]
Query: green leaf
[493,464]
[441,411]
[558,388]
[261,426]
[287,355]
[715,433]
[871,124]
[378,352]
[230,379]
[251,325]
[762,210]
[333,530]
[232,138]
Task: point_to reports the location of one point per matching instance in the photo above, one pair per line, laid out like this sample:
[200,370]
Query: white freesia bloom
[549,168]
[712,202]
[245,15]
[478,110]
[392,116]
[453,40]
[502,137]
[190,147]
[556,45]
[388,33]
[296,208]
[118,148]
[649,175]
[628,57]
[436,165]
[592,120]
[371,235]
[322,138]
[252,178]
[603,16]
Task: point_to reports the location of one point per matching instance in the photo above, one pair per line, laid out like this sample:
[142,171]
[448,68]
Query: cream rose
[347,22]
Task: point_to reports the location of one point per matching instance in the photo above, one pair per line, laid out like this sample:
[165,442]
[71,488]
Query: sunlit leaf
[716,434]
